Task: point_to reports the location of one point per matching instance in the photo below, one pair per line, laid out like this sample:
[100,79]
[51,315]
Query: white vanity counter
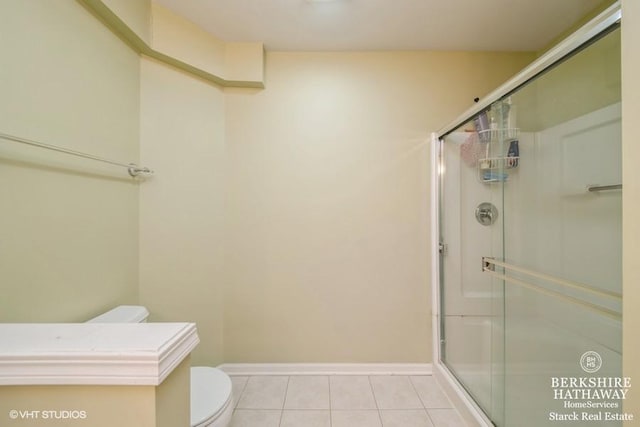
[93,353]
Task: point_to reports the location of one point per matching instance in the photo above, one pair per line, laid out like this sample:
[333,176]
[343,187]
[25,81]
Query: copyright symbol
[13,414]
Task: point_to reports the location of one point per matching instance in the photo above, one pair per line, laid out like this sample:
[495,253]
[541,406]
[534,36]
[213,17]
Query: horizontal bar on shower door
[133,169]
[596,188]
[549,278]
[594,307]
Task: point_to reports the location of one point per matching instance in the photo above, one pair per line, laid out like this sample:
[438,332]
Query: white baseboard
[327,368]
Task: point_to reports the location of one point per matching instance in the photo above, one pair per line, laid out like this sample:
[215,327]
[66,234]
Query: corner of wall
[185,41]
[157,32]
[135,14]
[244,61]
[630,201]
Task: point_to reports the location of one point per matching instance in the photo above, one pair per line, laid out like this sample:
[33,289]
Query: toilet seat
[211,397]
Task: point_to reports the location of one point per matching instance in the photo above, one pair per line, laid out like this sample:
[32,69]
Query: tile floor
[341,401]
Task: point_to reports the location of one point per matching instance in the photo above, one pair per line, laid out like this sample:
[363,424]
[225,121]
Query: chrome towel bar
[595,188]
[562,282]
[488,264]
[133,169]
[602,310]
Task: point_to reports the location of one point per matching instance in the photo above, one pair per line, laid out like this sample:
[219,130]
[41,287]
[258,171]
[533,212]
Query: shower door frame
[610,18]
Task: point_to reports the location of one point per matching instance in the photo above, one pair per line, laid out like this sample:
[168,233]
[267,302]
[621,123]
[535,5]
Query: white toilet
[211,392]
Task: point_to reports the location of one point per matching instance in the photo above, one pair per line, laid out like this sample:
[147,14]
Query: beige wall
[182,207]
[173,398]
[324,225]
[68,235]
[631,201]
[103,406]
[298,230]
[328,208]
[166,405]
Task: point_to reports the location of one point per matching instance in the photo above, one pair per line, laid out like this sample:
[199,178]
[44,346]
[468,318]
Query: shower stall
[529,240]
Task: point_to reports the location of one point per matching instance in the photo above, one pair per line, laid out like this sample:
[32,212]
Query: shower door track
[606,21]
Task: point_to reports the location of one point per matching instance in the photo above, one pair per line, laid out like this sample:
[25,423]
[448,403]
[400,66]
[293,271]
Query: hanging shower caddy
[499,135]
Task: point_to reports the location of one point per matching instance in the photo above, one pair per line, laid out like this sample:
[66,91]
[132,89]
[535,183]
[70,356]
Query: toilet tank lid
[123,314]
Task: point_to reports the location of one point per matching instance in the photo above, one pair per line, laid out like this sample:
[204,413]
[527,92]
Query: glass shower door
[563,241]
[471,227]
[530,230]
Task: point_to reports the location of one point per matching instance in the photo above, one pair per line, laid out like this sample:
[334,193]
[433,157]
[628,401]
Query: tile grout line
[374,399]
[424,407]
[330,409]
[372,390]
[284,401]
[240,394]
[451,407]
[237,402]
[429,416]
[417,394]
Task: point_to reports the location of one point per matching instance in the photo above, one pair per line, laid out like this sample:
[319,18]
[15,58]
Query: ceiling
[496,25]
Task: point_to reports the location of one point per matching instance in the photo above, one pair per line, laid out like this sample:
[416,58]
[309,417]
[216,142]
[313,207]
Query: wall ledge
[93,353]
[119,27]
